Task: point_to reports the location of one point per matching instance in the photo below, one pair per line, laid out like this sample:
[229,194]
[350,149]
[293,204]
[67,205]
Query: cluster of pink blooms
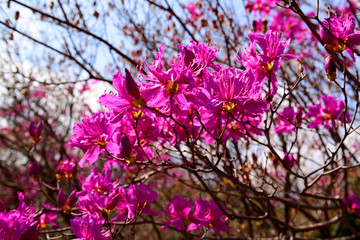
[192,98]
[330,115]
[100,201]
[288,120]
[204,214]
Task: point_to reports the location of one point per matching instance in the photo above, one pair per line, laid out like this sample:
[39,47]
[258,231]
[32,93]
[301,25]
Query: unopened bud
[35,170]
[112,201]
[126,146]
[330,68]
[264,26]
[72,199]
[204,22]
[254,25]
[35,132]
[17,15]
[301,67]
[2,206]
[221,17]
[249,7]
[61,198]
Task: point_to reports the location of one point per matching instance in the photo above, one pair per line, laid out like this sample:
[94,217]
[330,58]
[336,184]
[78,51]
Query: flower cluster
[193,97]
[101,195]
[328,115]
[205,213]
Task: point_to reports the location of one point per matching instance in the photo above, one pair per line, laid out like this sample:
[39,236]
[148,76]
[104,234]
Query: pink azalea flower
[162,85]
[266,63]
[233,92]
[135,200]
[346,7]
[178,210]
[48,218]
[209,215]
[19,223]
[92,202]
[288,120]
[89,227]
[196,57]
[96,182]
[94,134]
[38,93]
[342,28]
[328,115]
[66,169]
[165,85]
[128,98]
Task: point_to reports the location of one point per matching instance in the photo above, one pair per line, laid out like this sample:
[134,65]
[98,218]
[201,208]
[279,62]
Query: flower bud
[61,198]
[67,204]
[126,146]
[35,170]
[289,160]
[72,199]
[17,15]
[299,117]
[264,26]
[112,201]
[330,68]
[35,132]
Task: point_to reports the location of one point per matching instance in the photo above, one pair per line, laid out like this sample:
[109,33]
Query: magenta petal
[290,56]
[192,226]
[178,224]
[159,100]
[113,102]
[353,39]
[351,53]
[151,212]
[91,155]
